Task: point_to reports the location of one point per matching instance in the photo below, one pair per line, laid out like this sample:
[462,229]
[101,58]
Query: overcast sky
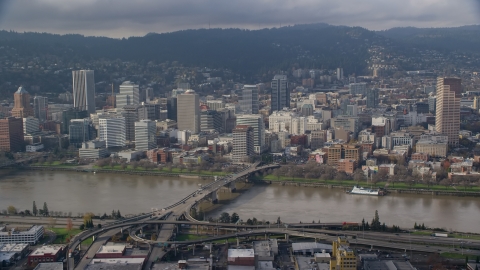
[124,18]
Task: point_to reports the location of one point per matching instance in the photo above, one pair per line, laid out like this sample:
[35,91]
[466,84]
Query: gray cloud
[121,18]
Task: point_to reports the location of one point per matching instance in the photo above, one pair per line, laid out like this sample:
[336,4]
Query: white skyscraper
[112,131]
[129,95]
[40,107]
[84,90]
[145,131]
[256,122]
[339,74]
[188,112]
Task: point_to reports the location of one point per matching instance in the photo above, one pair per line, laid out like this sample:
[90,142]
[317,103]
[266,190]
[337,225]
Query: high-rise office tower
[243,143]
[211,120]
[130,113]
[249,99]
[145,131]
[22,106]
[280,93]
[40,106]
[432,103]
[256,122]
[172,108]
[30,125]
[447,120]
[372,98]
[84,90]
[188,112]
[129,95]
[79,131]
[112,131]
[70,114]
[339,74]
[11,134]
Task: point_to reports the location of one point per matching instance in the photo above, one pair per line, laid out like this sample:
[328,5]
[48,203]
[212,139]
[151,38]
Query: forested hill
[243,51]
[464,38]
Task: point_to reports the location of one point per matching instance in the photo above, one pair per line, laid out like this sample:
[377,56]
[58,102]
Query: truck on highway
[440,235]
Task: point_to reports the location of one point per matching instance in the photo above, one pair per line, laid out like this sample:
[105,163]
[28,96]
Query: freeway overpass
[177,209]
[375,239]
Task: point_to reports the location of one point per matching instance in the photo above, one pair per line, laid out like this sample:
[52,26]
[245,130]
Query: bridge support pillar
[197,229]
[286,237]
[238,242]
[214,197]
[156,228]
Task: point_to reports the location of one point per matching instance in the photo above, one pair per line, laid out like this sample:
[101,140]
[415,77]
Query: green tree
[34,209]
[376,225]
[225,217]
[45,209]
[234,218]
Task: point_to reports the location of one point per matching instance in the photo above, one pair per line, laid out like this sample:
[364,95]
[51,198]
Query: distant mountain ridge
[465,38]
[249,52]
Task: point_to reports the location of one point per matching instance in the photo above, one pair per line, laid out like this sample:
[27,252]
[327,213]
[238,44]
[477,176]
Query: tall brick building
[11,134]
[22,106]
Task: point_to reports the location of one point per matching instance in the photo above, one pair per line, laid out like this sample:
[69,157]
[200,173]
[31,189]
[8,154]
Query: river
[101,193]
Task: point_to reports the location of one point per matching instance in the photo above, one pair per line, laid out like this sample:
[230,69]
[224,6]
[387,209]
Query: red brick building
[347,165]
[50,253]
[299,140]
[420,156]
[368,147]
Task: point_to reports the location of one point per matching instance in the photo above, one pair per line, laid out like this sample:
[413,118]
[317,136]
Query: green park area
[63,236]
[380,184]
[55,164]
[192,171]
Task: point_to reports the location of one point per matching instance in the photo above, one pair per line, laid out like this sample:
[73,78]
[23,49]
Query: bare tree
[445,182]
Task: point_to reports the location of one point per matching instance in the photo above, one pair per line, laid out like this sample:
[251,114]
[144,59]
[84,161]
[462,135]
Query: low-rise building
[241,257]
[30,236]
[265,250]
[420,156]
[34,147]
[130,155]
[48,253]
[49,266]
[116,264]
[111,250]
[433,148]
[322,257]
[346,165]
[309,248]
[93,150]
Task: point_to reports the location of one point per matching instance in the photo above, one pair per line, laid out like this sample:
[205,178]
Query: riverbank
[347,185]
[191,175]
